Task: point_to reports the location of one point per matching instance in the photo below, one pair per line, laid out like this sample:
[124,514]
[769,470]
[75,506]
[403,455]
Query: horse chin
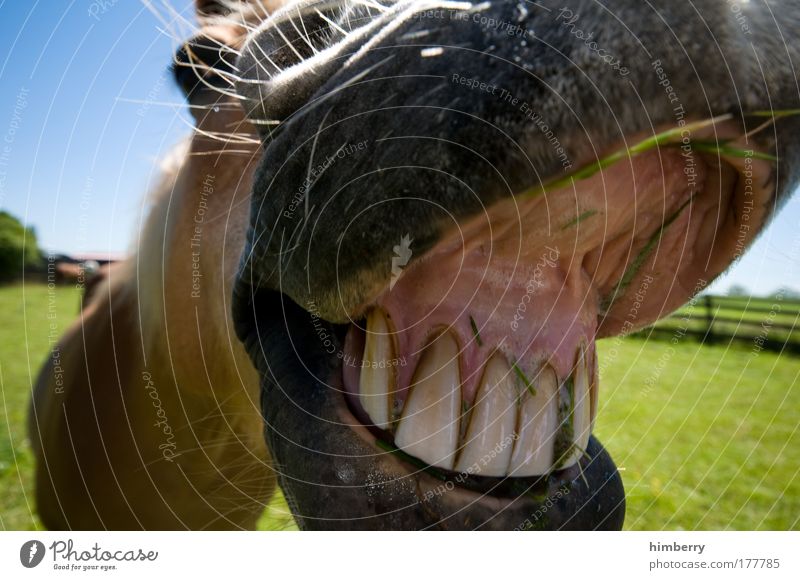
[338,473]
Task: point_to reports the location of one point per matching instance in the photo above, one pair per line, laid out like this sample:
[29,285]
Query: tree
[785,293]
[738,290]
[19,250]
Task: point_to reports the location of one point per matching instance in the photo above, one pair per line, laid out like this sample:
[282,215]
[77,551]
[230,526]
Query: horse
[376,272]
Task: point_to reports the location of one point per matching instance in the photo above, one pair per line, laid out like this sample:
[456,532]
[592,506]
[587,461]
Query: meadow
[706,437]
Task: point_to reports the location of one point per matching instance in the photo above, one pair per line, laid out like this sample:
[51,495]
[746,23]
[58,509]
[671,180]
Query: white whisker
[332,23]
[152,9]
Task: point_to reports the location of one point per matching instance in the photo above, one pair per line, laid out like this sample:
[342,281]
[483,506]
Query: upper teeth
[511,429]
[492,422]
[377,382]
[429,425]
[538,422]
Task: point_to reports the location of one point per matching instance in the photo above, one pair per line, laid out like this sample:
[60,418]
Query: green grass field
[707,437]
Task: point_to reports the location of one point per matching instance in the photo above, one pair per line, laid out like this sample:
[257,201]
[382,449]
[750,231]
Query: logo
[402,256]
[31,553]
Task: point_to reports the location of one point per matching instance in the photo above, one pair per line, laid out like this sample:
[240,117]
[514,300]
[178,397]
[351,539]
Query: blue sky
[84,147]
[81,154]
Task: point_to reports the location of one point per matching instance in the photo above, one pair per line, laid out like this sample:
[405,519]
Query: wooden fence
[758,323]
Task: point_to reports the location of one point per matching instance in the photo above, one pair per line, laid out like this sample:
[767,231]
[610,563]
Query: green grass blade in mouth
[668,137]
[585,215]
[475,332]
[778,114]
[641,257]
[525,380]
[565,436]
[723,149]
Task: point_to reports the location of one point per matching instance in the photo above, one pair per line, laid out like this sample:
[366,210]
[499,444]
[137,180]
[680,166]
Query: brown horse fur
[156,424]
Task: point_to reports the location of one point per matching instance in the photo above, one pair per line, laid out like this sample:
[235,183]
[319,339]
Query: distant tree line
[19,249]
[784,292]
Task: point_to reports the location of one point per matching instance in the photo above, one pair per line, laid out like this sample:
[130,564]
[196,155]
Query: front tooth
[537,427]
[429,425]
[575,412]
[376,385]
[583,405]
[489,439]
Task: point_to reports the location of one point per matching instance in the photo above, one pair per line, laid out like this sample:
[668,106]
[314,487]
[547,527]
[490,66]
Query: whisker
[220,105]
[331,22]
[264,122]
[216,137]
[286,40]
[247,152]
[202,79]
[196,63]
[154,11]
[307,37]
[370,4]
[180,19]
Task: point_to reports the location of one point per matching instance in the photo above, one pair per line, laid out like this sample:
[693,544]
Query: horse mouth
[339,471]
[462,394]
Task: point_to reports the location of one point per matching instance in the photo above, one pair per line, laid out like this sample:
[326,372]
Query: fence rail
[762,323]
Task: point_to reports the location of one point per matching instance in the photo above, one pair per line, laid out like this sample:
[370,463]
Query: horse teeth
[575,413]
[377,381]
[512,429]
[429,426]
[490,434]
[537,427]
[583,405]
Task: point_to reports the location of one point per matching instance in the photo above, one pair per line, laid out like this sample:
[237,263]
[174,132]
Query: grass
[707,436]
[24,343]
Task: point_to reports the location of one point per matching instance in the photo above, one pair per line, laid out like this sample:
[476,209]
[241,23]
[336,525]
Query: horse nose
[461,105]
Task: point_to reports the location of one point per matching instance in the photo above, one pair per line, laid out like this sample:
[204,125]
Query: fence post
[709,304]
